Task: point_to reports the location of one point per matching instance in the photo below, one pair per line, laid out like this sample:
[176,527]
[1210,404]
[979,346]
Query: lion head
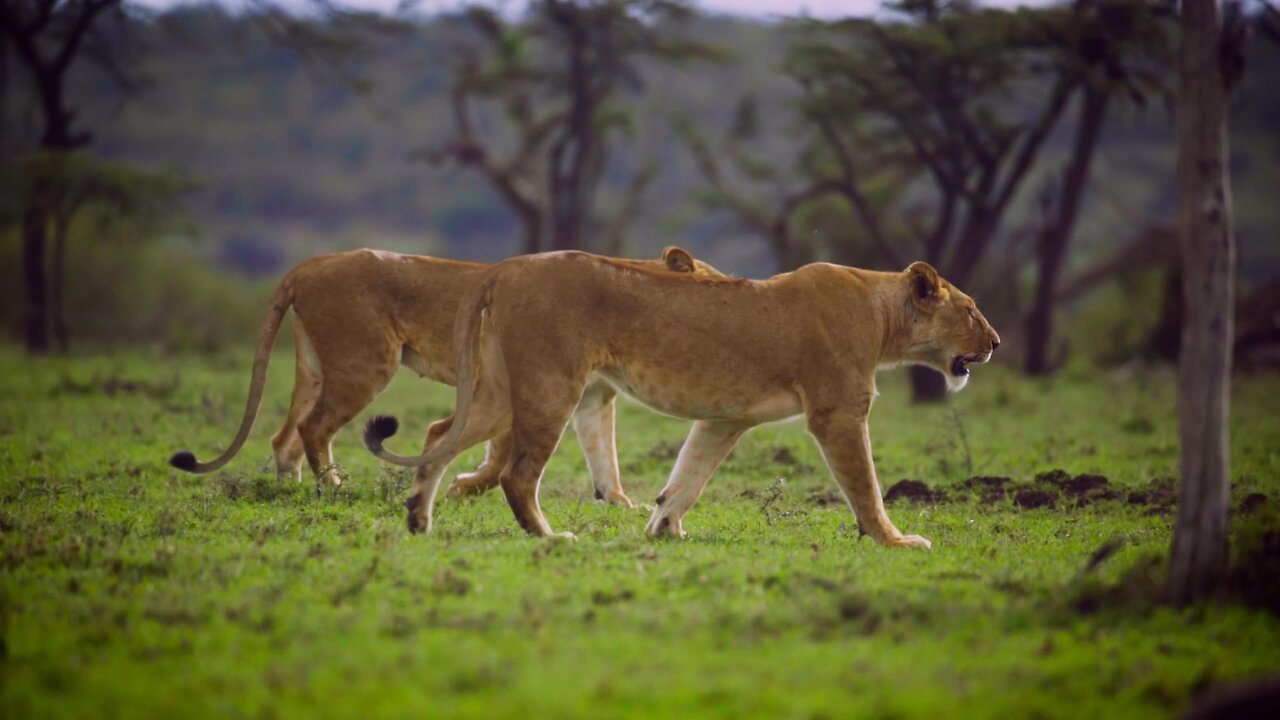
[947,331]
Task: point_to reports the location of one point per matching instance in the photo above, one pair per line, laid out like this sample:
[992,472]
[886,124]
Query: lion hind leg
[286,444]
[594,423]
[341,398]
[490,415]
[539,419]
[709,443]
[485,477]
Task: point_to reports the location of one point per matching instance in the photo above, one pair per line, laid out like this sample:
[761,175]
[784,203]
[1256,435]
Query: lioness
[538,333]
[360,314]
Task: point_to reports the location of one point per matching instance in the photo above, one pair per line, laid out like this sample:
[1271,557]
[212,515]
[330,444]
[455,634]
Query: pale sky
[757,8]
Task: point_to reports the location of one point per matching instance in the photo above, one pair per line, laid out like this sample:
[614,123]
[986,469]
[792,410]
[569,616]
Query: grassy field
[128,589]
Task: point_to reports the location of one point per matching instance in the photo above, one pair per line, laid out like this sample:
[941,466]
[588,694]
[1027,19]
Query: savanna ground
[129,589]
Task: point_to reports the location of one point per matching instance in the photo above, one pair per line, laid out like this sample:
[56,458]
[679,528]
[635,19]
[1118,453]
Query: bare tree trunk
[34,222]
[789,251]
[57,290]
[570,189]
[1165,339]
[1199,555]
[1057,236]
[927,385]
[531,219]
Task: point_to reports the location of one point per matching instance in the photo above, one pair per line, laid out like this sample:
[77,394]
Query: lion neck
[898,320]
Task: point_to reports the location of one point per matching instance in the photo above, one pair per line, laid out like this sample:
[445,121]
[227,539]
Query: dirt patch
[914,490]
[665,450]
[1138,426]
[115,385]
[824,498]
[1104,496]
[1255,698]
[1253,502]
[610,597]
[1255,566]
[1082,485]
[1083,489]
[1160,494]
[1139,586]
[1053,477]
[990,487]
[1030,498]
[784,456]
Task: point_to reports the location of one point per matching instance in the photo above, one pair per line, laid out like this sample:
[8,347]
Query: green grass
[128,589]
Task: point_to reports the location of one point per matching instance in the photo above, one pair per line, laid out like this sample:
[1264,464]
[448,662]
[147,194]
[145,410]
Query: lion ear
[678,259]
[925,284]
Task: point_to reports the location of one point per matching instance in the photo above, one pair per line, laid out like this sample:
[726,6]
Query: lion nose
[995,343]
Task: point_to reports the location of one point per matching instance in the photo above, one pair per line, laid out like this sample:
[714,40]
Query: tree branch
[1062,91]
[88,12]
[851,188]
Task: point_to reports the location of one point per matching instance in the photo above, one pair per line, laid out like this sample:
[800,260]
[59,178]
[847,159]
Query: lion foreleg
[846,446]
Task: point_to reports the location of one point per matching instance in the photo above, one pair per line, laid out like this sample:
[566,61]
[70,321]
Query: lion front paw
[913,541]
[665,525]
[619,498]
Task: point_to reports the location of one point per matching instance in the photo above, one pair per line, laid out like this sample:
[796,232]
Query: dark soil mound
[991,487]
[1160,494]
[1253,502]
[1084,489]
[1254,699]
[1028,498]
[1053,477]
[784,456]
[913,490]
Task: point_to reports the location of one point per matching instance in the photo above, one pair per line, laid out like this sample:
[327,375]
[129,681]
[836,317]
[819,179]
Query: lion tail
[281,301]
[471,321]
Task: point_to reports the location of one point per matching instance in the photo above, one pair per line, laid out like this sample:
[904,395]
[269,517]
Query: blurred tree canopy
[870,143]
[962,100]
[559,77]
[66,184]
[47,37]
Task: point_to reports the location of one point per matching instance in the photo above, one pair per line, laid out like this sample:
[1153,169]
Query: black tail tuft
[184,460]
[378,429]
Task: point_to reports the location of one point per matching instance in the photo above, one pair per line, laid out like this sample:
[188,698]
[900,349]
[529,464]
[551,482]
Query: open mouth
[960,364]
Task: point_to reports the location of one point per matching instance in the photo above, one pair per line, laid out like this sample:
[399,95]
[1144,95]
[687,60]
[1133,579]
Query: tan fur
[536,333]
[359,315]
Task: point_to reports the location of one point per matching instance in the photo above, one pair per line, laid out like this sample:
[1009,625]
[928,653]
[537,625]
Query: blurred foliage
[1255,543]
[558,88]
[121,292]
[68,182]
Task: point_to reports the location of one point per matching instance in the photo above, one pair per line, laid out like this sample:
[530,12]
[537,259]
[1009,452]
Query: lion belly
[702,398]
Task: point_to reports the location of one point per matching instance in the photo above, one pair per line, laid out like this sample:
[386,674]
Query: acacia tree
[47,37]
[556,80]
[74,182]
[762,198]
[1113,49]
[1199,555]
[930,92]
